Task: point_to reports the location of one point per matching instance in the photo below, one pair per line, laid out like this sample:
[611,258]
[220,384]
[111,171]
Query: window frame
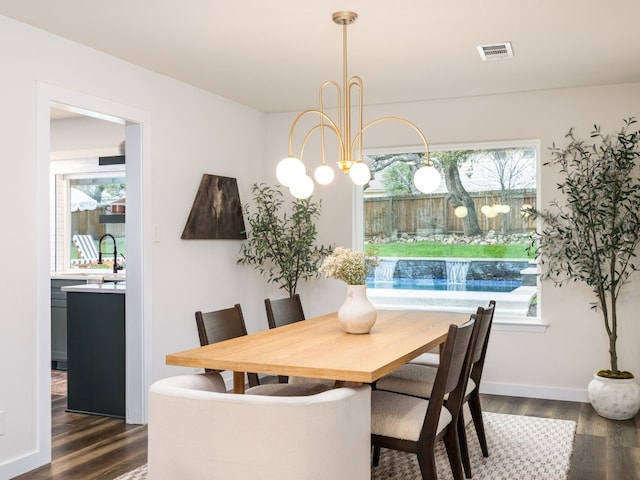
[64,172]
[501,322]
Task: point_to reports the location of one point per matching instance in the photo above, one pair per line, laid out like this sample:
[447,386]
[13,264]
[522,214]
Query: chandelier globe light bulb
[461,211]
[289,170]
[427,179]
[303,188]
[324,174]
[360,173]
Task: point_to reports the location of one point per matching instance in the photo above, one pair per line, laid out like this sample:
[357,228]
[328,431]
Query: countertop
[109,287]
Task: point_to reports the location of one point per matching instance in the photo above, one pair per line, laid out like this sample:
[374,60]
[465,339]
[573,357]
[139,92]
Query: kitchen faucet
[116,267]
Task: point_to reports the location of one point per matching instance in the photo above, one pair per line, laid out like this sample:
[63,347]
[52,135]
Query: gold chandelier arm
[345,152]
[356,82]
[427,162]
[331,125]
[321,102]
[310,132]
[343,130]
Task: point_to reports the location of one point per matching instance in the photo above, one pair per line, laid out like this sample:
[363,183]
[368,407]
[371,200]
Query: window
[90,201]
[465,243]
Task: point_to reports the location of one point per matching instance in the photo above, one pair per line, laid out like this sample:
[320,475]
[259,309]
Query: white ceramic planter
[618,399]
[357,314]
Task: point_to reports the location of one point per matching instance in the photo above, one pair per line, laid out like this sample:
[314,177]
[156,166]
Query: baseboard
[17,466]
[507,389]
[535,391]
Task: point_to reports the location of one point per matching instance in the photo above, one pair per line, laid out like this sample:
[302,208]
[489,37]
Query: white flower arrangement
[347,265]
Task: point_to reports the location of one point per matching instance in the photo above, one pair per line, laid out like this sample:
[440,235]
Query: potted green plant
[281,243]
[592,236]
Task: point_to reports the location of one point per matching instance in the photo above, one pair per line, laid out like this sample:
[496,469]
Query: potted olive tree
[592,237]
[281,238]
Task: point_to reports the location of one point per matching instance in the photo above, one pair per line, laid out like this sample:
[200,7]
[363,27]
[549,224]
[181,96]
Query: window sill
[504,323]
[526,324]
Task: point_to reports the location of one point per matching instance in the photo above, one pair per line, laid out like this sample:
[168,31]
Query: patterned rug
[520,448]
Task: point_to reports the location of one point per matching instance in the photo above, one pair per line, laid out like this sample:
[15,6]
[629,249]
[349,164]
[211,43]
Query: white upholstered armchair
[198,431]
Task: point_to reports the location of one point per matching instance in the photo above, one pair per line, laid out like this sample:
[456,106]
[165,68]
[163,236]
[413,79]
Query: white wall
[189,132]
[193,132]
[559,362]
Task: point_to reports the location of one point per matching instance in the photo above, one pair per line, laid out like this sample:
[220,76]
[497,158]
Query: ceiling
[273,55]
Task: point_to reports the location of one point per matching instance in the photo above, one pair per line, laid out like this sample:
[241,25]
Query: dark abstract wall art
[216,212]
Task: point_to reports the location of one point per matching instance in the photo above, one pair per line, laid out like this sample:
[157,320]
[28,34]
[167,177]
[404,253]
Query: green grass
[439,250]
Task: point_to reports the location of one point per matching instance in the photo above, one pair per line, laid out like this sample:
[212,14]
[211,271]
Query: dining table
[320,348]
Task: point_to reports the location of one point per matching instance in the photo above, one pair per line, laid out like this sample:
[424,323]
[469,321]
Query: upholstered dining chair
[219,325]
[414,425]
[417,379]
[197,431]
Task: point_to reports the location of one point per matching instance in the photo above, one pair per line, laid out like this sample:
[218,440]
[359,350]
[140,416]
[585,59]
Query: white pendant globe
[289,170]
[427,179]
[461,211]
[324,174]
[489,211]
[303,188]
[360,173]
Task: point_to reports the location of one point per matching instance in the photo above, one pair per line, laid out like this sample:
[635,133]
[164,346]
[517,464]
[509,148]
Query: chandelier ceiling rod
[291,171]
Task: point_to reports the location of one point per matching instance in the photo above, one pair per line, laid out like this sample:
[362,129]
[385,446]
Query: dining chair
[283,311]
[414,425]
[417,379]
[280,312]
[227,323]
[219,325]
[199,431]
[433,358]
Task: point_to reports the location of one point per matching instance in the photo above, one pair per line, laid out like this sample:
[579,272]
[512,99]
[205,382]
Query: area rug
[520,448]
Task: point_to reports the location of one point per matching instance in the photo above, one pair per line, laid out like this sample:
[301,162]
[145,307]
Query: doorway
[138,361]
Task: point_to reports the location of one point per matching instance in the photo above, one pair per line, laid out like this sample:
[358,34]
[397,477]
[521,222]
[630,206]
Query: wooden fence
[87,222]
[427,214]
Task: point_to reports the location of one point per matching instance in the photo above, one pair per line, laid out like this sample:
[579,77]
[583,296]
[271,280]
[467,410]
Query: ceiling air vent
[495,51]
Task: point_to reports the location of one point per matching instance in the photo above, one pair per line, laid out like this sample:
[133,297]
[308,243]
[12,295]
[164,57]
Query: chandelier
[291,171]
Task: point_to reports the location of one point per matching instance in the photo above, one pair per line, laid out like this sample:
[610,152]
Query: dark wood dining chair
[283,311]
[417,379]
[472,394]
[414,425]
[219,325]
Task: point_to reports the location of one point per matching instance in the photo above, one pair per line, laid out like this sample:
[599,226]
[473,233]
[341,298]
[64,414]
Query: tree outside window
[471,229]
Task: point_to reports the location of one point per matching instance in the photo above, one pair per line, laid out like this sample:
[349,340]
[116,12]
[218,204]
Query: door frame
[138,303]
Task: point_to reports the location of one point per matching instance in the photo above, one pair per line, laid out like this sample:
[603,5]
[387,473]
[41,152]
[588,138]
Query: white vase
[614,398]
[357,314]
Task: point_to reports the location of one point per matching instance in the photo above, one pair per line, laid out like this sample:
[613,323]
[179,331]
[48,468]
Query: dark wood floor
[87,447]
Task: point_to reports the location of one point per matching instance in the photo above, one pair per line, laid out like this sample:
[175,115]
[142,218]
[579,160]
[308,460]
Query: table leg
[342,383]
[238,382]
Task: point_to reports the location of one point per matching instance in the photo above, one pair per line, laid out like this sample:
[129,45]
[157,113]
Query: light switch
[156,233]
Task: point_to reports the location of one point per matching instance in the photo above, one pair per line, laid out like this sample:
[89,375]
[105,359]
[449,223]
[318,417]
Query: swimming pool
[465,275]
[502,286]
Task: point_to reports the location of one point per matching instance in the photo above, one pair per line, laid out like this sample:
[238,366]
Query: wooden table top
[319,347]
